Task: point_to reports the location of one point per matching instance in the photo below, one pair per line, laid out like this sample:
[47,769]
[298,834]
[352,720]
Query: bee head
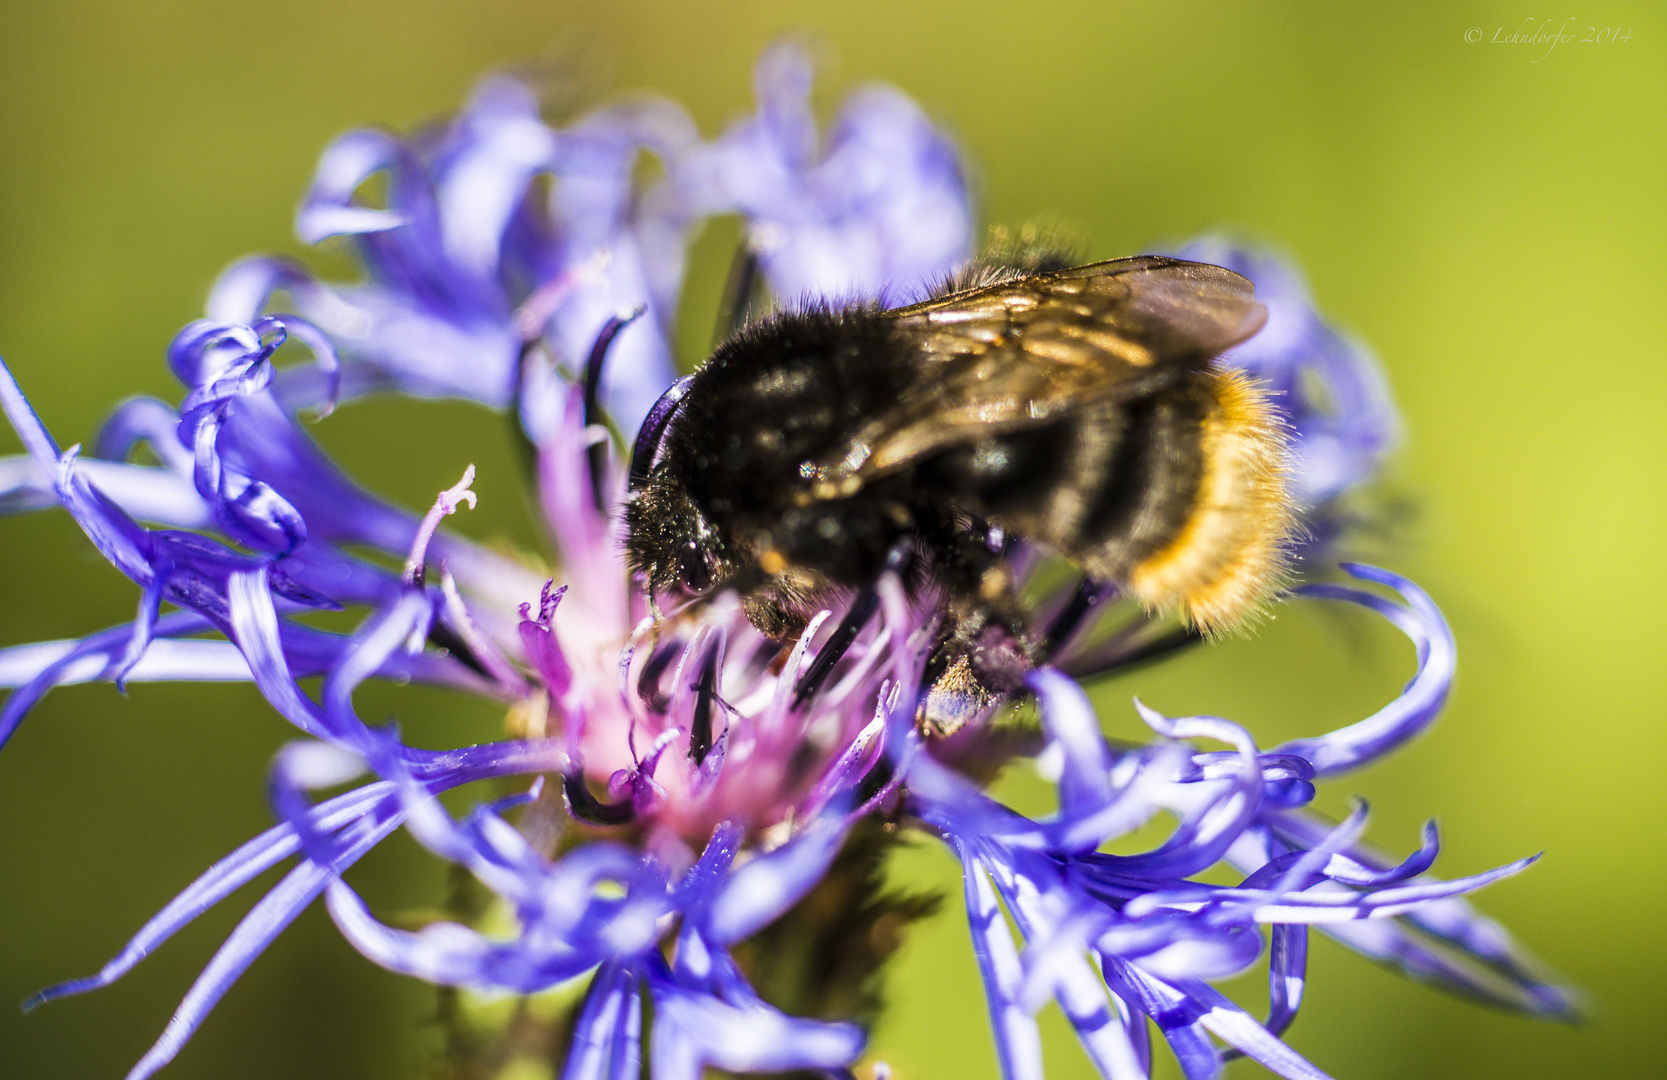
[668,540]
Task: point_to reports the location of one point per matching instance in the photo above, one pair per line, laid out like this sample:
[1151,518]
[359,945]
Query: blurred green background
[1490,218]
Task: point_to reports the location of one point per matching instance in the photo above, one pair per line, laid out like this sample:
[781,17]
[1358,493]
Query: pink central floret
[686,721]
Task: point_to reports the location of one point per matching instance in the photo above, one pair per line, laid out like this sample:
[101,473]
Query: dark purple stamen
[766,652]
[881,773]
[738,292]
[653,427]
[443,636]
[706,692]
[648,682]
[586,807]
[898,558]
[598,453]
[526,451]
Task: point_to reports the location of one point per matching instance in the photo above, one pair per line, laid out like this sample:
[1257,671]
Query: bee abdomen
[1179,497]
[1225,555]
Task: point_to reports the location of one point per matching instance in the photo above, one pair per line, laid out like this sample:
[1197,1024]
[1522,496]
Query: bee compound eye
[692,568]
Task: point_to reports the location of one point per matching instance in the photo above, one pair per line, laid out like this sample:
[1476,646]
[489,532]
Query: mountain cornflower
[676,803]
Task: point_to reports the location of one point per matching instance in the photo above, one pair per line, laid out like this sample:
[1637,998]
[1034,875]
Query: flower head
[706,781]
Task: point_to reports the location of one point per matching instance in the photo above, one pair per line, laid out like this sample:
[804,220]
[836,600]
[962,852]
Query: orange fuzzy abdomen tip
[1230,557]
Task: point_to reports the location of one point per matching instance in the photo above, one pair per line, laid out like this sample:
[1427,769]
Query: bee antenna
[598,454]
[653,429]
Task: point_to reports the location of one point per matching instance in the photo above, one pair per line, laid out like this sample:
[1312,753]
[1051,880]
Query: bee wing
[1028,350]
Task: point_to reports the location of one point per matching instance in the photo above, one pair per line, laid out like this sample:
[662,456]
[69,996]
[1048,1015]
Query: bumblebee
[1079,408]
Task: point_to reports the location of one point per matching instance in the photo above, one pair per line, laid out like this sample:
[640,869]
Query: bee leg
[898,558]
[1174,641]
[981,664]
[955,698]
[1131,647]
[981,659]
[1128,647]
[1090,591]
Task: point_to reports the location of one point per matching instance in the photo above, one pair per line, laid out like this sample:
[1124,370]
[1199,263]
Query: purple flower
[1328,388]
[703,801]
[876,208]
[467,265]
